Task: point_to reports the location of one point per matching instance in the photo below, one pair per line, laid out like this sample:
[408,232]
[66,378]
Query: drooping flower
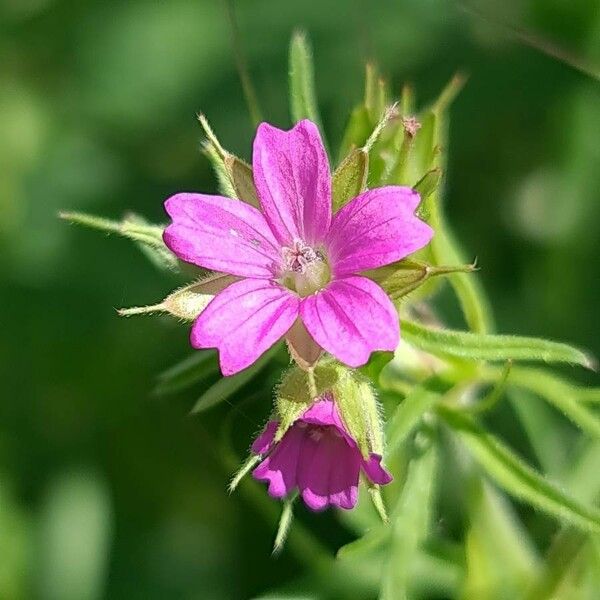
[318,457]
[296,261]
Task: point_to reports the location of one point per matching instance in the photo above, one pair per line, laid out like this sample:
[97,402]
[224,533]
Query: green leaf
[148,237]
[408,415]
[186,373]
[372,541]
[303,101]
[410,522]
[516,477]
[350,178]
[227,386]
[474,346]
[558,393]
[501,559]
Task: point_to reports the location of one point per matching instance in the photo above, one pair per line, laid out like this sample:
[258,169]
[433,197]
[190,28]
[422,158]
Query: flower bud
[188,302]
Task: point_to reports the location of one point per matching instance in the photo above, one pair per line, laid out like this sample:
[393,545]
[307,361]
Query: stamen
[299,256]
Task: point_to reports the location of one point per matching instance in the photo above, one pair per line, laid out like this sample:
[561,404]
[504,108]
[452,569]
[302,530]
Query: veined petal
[221,234]
[351,318]
[280,467]
[293,181]
[245,320]
[378,227]
[316,461]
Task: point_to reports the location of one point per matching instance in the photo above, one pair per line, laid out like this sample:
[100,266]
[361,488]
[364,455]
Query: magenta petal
[378,227]
[343,484]
[314,466]
[293,181]
[245,320]
[351,318]
[280,467]
[263,442]
[374,471]
[221,234]
[325,413]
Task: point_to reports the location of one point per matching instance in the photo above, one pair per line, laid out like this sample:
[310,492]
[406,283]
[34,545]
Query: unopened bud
[187,302]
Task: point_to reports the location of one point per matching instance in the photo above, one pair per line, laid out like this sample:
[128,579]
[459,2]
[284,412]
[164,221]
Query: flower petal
[245,320]
[351,318]
[315,464]
[378,227]
[293,181]
[221,234]
[374,471]
[343,483]
[280,467]
[263,442]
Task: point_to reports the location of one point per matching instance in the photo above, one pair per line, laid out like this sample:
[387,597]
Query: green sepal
[246,467]
[359,410]
[298,390]
[234,175]
[350,178]
[187,302]
[405,276]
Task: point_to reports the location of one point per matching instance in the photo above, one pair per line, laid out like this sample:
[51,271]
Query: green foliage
[303,101]
[527,208]
[473,346]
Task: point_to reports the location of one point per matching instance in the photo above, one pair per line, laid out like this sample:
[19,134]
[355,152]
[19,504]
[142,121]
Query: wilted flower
[295,259]
[317,456]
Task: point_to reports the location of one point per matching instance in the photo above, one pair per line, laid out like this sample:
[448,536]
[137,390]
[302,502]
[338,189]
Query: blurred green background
[109,492]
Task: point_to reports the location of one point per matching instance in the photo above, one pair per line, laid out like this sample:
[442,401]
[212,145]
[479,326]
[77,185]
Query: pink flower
[295,260]
[318,456]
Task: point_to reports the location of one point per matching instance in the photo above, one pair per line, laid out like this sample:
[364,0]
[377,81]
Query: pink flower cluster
[293,261]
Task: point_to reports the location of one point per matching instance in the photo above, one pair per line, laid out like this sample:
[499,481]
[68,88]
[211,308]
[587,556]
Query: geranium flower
[295,260]
[317,456]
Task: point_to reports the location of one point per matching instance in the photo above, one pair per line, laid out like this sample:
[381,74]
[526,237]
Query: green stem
[242,67]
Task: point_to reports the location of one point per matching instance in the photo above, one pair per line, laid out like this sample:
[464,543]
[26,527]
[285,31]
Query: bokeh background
[109,492]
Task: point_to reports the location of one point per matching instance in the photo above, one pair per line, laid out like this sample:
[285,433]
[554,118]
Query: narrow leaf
[408,415]
[473,346]
[303,101]
[559,394]
[227,386]
[186,373]
[410,522]
[148,237]
[516,477]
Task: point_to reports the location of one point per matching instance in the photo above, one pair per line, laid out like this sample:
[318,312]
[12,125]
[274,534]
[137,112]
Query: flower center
[305,270]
